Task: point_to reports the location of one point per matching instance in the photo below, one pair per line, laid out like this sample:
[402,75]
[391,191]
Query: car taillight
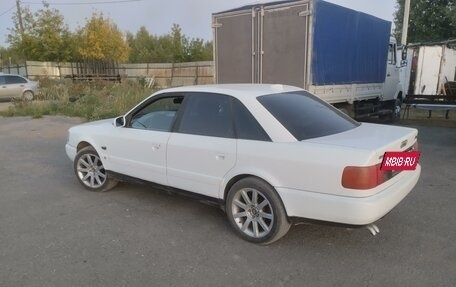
[364,177]
[415,146]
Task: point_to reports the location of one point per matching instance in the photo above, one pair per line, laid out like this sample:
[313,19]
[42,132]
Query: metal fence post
[172,74]
[60,70]
[196,74]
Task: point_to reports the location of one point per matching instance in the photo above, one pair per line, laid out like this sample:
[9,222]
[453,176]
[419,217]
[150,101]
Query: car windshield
[306,116]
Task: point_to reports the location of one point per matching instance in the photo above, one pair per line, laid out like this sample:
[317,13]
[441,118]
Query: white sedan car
[266,153]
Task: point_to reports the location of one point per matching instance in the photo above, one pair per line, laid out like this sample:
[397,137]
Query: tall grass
[90,100]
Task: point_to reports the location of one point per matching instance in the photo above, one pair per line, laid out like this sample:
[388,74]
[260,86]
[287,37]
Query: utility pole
[19,18]
[405,22]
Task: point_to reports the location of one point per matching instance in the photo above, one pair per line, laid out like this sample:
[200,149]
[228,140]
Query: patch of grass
[89,100]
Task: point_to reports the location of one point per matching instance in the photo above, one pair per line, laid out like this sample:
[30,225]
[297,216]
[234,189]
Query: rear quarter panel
[299,165]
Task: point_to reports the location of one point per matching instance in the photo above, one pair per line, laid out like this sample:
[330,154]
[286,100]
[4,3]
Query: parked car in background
[266,153]
[15,86]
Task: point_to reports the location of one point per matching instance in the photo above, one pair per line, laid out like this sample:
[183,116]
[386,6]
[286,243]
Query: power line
[83,3]
[12,7]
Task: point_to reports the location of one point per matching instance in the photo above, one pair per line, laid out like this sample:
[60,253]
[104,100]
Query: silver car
[16,86]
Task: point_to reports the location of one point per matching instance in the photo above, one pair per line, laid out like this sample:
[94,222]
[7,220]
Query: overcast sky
[158,16]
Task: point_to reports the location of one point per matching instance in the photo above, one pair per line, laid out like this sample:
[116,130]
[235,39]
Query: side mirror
[119,121]
[404,53]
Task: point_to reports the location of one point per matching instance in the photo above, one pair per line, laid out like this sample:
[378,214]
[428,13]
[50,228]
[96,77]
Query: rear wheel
[90,171]
[256,212]
[27,96]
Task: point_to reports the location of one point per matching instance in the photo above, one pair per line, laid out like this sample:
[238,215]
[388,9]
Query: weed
[90,100]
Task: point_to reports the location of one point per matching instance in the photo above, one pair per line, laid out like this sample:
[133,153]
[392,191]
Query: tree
[43,36]
[179,44]
[199,50]
[173,47]
[143,46]
[100,39]
[428,21]
[6,56]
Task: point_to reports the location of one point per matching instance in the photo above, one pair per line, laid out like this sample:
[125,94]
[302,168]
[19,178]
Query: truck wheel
[396,110]
[256,212]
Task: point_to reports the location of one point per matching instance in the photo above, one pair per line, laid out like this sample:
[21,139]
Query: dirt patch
[5,106]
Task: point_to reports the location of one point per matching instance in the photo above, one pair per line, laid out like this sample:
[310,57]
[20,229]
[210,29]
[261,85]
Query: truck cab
[392,87]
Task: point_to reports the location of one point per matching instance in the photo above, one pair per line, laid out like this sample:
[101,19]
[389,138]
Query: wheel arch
[399,92]
[28,90]
[241,176]
[83,144]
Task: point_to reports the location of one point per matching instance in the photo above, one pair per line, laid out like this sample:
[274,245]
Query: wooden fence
[163,74]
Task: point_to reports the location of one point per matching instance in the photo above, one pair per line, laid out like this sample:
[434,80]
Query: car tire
[90,171]
[256,212]
[27,96]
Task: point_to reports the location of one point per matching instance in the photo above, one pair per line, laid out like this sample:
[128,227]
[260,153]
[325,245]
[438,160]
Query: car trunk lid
[372,137]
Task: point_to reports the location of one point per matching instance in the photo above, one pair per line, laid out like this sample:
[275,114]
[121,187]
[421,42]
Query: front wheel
[90,171]
[396,110]
[256,212]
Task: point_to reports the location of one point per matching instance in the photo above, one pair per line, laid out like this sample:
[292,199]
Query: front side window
[158,115]
[306,116]
[207,114]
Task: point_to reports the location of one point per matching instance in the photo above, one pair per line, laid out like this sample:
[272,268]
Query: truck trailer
[431,66]
[343,56]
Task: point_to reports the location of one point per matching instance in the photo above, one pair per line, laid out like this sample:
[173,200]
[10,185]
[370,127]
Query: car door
[203,148]
[139,148]
[392,75]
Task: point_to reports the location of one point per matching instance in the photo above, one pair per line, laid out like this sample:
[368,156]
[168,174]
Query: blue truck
[343,56]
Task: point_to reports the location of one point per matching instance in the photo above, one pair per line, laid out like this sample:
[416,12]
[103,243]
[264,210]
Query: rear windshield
[306,116]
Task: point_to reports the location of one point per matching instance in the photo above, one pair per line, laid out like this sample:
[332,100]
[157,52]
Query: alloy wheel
[252,212]
[90,170]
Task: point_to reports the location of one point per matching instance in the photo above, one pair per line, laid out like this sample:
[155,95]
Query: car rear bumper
[348,210]
[70,151]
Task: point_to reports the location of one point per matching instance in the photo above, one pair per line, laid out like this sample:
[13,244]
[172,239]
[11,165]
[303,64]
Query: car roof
[236,90]
[6,74]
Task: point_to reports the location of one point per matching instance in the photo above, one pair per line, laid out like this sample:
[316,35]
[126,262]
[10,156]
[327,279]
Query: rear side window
[207,114]
[15,80]
[247,127]
[306,116]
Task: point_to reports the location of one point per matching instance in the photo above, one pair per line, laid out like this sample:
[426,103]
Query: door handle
[388,75]
[155,146]
[220,157]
